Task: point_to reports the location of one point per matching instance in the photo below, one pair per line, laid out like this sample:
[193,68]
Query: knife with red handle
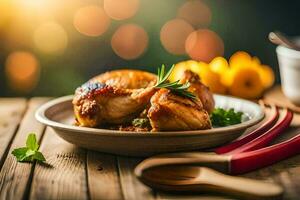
[231,164]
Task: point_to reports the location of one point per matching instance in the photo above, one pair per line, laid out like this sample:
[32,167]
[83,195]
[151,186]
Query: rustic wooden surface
[75,173]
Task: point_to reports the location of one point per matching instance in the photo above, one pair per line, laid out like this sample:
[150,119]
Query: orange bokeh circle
[91,21]
[204,45]
[196,12]
[121,9]
[22,71]
[129,41]
[173,35]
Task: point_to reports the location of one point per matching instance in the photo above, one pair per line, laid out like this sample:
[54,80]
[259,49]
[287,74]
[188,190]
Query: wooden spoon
[203,179]
[279,38]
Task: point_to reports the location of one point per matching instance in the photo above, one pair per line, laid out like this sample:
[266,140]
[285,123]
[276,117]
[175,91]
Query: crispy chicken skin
[98,103]
[113,97]
[172,112]
[125,78]
[200,90]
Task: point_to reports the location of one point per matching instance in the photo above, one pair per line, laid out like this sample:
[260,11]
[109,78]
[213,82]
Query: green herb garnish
[175,87]
[141,122]
[221,117]
[30,152]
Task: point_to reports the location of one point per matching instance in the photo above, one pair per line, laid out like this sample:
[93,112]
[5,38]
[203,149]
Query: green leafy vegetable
[30,152]
[221,117]
[176,87]
[141,122]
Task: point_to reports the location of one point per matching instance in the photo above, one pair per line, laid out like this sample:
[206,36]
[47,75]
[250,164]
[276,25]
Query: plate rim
[42,118]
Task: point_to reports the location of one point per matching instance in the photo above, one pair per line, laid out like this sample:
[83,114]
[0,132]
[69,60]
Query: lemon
[211,79]
[219,65]
[178,71]
[266,75]
[240,59]
[245,82]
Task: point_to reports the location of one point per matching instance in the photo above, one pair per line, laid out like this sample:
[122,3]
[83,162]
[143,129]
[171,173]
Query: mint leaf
[30,152]
[28,156]
[31,142]
[39,156]
[20,153]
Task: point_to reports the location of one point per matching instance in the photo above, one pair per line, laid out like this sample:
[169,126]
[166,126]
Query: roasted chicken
[113,101]
[118,97]
[171,112]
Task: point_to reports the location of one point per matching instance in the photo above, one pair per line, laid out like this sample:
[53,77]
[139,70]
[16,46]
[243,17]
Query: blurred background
[49,47]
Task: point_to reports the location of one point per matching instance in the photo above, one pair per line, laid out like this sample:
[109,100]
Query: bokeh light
[173,35]
[129,41]
[120,10]
[196,13]
[22,71]
[91,21]
[50,38]
[5,12]
[204,45]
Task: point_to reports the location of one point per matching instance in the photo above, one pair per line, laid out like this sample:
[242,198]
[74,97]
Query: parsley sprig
[30,152]
[141,122]
[221,117]
[175,87]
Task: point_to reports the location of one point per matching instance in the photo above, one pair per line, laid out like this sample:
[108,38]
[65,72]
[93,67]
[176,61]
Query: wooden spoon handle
[238,186]
[218,162]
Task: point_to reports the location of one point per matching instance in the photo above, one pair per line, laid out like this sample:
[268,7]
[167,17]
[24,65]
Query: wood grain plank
[103,177]
[15,177]
[169,196]
[132,188]
[285,173]
[64,176]
[11,112]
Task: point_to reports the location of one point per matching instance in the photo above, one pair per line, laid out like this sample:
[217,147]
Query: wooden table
[76,173]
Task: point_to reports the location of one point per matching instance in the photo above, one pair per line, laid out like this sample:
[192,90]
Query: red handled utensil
[230,164]
[188,172]
[245,158]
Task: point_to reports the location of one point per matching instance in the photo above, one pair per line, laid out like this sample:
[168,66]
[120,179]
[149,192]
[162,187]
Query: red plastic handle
[251,136]
[249,161]
[265,139]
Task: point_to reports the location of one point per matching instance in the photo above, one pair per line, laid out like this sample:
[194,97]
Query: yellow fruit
[180,67]
[245,82]
[211,79]
[256,62]
[194,66]
[240,59]
[219,65]
[178,71]
[266,75]
[226,78]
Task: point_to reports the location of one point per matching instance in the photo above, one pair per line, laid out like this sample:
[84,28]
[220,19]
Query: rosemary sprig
[175,87]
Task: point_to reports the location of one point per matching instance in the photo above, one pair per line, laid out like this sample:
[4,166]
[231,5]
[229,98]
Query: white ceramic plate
[58,114]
